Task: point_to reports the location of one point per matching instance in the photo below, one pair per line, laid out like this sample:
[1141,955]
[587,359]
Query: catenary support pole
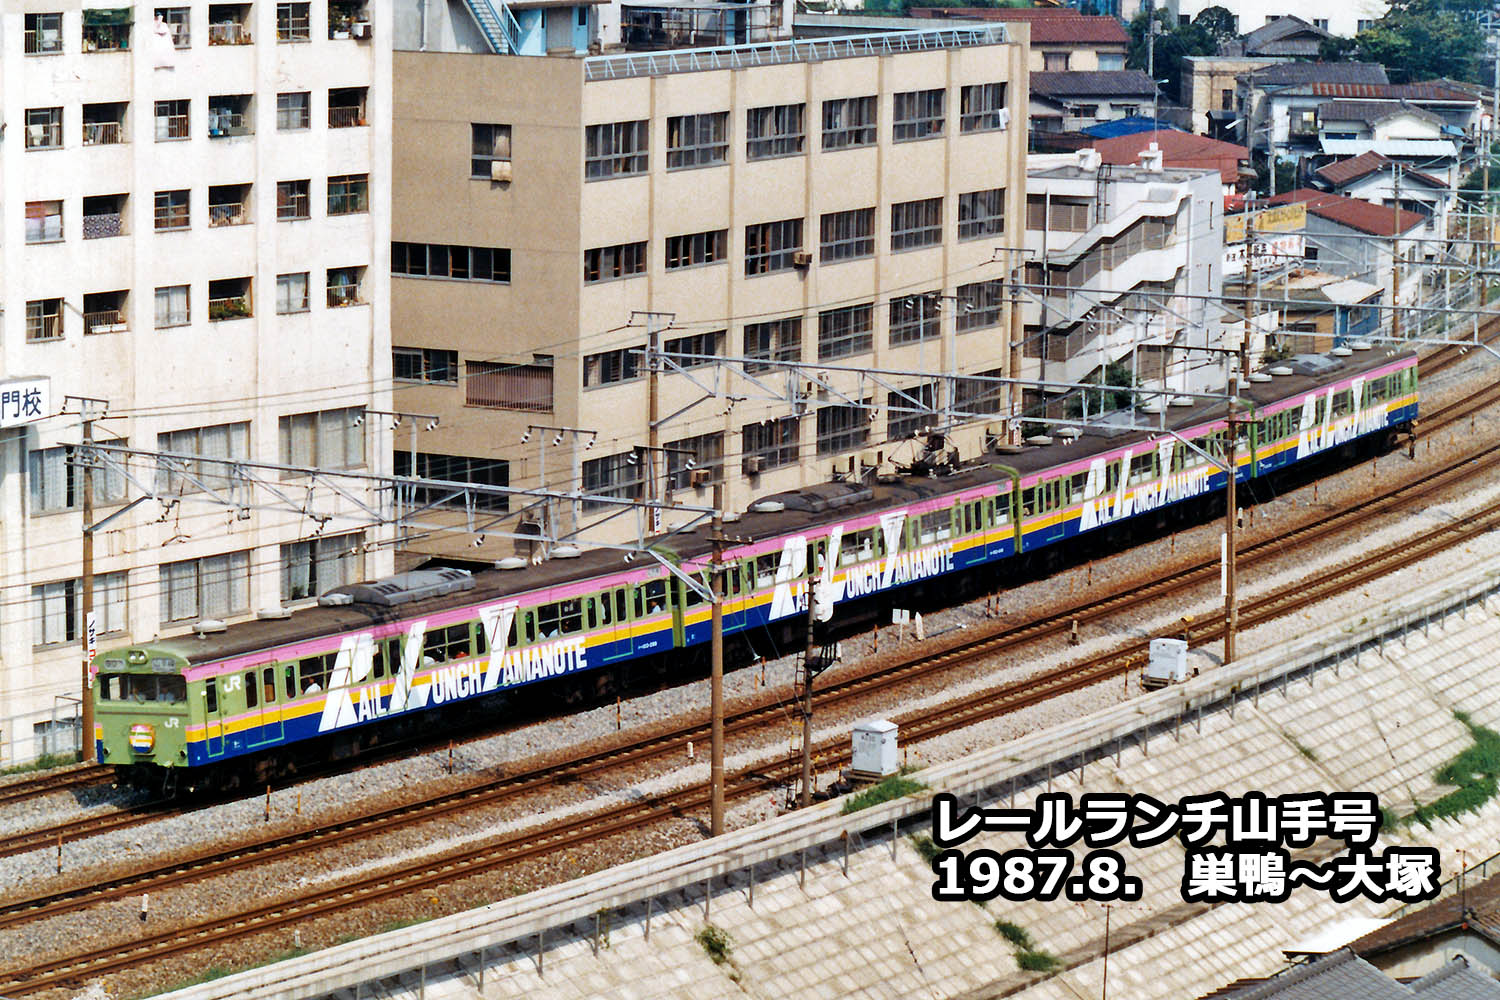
[716,685]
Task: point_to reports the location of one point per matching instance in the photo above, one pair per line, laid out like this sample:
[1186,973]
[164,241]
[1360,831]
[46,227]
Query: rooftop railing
[633,64]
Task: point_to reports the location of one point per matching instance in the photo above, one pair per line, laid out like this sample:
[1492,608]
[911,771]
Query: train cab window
[109,687]
[252,696]
[141,688]
[211,695]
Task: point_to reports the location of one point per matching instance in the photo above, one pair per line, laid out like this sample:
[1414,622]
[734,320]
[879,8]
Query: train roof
[807,507]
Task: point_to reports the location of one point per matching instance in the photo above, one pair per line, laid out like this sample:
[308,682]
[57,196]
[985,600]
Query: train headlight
[136,656]
[142,737]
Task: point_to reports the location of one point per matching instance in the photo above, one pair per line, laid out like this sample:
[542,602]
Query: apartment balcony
[230,33]
[236,214]
[222,124]
[105,133]
[346,117]
[105,321]
[229,307]
[103,226]
[344,295]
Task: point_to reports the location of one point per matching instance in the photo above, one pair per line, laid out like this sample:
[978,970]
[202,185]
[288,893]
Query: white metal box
[875,748]
[1168,663]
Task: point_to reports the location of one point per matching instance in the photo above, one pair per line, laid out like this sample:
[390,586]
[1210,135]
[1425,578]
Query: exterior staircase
[497,24]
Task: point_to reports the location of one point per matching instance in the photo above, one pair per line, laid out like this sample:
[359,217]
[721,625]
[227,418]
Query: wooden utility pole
[86,458]
[809,671]
[1231,512]
[716,675]
[651,471]
[1395,251]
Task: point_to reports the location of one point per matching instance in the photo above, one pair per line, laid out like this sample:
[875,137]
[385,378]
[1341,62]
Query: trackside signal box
[874,750]
[1167,665]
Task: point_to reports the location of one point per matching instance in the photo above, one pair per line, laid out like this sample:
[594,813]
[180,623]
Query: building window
[1226,99]
[505,386]
[618,149]
[57,614]
[979,305]
[318,565]
[211,587]
[772,246]
[1363,24]
[609,367]
[705,452]
[106,312]
[775,131]
[106,30]
[848,122]
[911,411]
[918,114]
[342,15]
[44,128]
[980,107]
[916,224]
[344,284]
[293,111]
[229,298]
[55,481]
[179,22]
[609,263]
[104,124]
[696,248]
[229,24]
[325,439]
[981,214]
[43,33]
[490,145]
[1053,62]
[1068,215]
[445,260]
[1109,61]
[172,120]
[774,340]
[612,476]
[291,293]
[457,469]
[773,442]
[845,331]
[846,235]
[1320,22]
[982,393]
[293,200]
[914,318]
[842,428]
[294,22]
[44,320]
[229,205]
[44,221]
[348,194]
[213,447]
[103,216]
[173,306]
[424,364]
[697,140]
[701,347]
[230,115]
[1085,110]
[348,107]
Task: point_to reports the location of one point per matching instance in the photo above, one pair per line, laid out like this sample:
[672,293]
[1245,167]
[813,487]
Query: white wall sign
[25,400]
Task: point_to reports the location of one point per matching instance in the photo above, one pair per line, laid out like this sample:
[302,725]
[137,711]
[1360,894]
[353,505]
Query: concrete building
[1345,19]
[192,228]
[1208,89]
[1067,102]
[1114,252]
[1062,39]
[1380,180]
[1183,149]
[1353,238]
[841,201]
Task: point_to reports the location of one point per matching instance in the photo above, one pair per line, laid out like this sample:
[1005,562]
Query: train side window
[252,696]
[1028,501]
[377,662]
[765,570]
[312,673]
[289,680]
[1002,508]
[640,603]
[620,604]
[606,608]
[690,597]
[268,683]
[656,596]
[591,611]
[1142,467]
[211,695]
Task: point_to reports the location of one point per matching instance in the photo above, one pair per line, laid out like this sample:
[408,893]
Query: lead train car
[318,682]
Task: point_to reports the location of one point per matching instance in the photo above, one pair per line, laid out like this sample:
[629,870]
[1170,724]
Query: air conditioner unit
[802,259]
[754,464]
[500,170]
[1003,118]
[698,478]
[360,30]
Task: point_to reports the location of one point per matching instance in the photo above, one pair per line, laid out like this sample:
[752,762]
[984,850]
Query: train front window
[142,688]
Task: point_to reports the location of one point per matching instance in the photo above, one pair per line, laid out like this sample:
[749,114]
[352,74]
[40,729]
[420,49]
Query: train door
[213,719]
[270,706]
[616,624]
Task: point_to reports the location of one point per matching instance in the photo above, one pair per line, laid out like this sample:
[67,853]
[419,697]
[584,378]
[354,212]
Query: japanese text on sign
[24,400]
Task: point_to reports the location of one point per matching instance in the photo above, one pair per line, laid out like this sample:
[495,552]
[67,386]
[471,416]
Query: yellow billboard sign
[1280,219]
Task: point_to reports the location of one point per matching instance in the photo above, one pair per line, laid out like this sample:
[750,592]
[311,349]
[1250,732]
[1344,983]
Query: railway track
[922,726]
[54,780]
[523,845]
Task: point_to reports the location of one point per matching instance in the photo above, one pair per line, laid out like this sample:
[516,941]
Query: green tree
[1219,23]
[1424,39]
[1173,42]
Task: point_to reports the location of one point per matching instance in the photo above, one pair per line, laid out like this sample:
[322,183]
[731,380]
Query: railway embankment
[821,902]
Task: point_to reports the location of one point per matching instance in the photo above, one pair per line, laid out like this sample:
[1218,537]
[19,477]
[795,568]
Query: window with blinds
[211,587]
[57,609]
[510,386]
[325,439]
[56,482]
[315,566]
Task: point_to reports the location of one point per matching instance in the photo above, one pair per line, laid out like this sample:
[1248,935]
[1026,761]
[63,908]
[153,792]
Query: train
[247,701]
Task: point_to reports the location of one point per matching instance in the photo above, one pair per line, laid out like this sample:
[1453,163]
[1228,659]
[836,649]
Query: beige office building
[846,203]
